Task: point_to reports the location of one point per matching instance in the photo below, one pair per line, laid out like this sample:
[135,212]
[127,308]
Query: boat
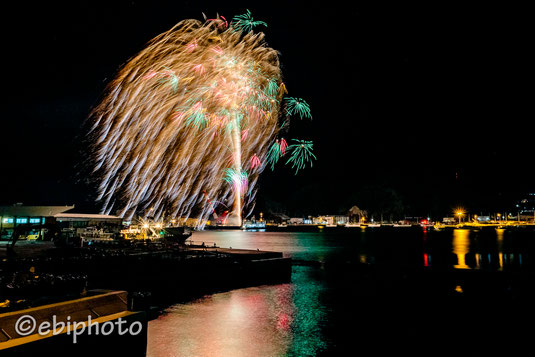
[427,225]
[253,226]
[177,234]
[88,234]
[134,232]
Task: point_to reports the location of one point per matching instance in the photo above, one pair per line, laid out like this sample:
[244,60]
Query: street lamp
[460,213]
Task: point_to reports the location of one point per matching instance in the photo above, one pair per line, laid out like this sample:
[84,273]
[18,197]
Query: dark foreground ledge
[105,310]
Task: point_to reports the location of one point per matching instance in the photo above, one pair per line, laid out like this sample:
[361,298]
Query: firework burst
[275,152]
[298,106]
[301,154]
[192,116]
[245,22]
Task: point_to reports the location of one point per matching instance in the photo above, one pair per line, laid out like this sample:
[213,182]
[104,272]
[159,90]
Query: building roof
[32,211]
[86,217]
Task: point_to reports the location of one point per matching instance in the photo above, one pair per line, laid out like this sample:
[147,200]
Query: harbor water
[362,292]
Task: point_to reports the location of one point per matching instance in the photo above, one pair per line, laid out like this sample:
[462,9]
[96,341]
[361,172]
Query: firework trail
[298,106]
[301,154]
[192,116]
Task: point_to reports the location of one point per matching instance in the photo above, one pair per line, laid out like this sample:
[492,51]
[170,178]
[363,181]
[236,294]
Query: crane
[211,205]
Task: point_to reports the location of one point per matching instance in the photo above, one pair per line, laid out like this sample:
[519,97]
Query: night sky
[432,102]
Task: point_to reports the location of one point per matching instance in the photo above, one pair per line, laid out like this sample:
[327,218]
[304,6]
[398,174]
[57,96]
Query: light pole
[460,214]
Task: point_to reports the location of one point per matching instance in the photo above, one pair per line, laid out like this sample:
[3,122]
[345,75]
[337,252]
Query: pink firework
[255,162]
[283,146]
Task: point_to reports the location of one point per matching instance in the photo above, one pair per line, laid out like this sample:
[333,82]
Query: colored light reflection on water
[309,316]
[273,320]
[461,246]
[492,250]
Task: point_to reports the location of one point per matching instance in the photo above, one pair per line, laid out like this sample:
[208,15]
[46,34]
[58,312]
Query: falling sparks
[300,154]
[255,162]
[245,22]
[238,179]
[276,151]
[283,145]
[274,154]
[194,115]
[299,107]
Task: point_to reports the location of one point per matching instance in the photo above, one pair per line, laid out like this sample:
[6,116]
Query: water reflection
[297,319]
[491,251]
[277,320]
[461,246]
[499,233]
[245,322]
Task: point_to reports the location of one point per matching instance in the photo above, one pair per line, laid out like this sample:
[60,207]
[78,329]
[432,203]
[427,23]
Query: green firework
[245,22]
[301,154]
[298,106]
[273,154]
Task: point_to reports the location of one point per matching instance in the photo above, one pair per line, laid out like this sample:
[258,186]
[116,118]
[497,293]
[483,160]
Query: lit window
[35,220]
[7,220]
[22,220]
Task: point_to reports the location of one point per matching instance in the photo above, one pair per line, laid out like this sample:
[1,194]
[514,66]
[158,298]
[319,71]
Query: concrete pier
[154,274]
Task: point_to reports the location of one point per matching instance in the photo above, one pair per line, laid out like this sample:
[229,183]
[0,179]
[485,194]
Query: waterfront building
[36,218]
[323,220]
[526,207]
[44,222]
[331,219]
[338,219]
